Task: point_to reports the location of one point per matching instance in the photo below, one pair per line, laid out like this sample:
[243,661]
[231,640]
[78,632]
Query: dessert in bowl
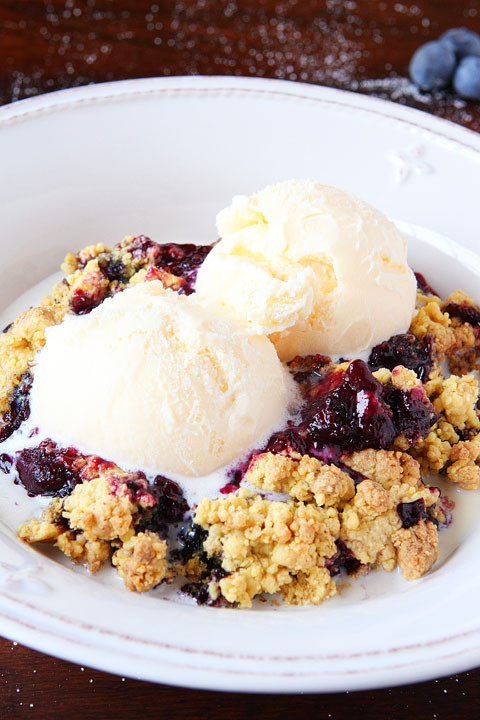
[264,415]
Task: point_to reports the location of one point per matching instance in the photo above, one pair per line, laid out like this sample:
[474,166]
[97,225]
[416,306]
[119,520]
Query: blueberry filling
[343,559]
[191,538]
[48,470]
[403,349]
[411,513]
[423,285]
[351,410]
[170,507]
[6,463]
[466,313]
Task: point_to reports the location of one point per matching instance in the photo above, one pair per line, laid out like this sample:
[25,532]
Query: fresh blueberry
[466,80]
[462,41]
[432,66]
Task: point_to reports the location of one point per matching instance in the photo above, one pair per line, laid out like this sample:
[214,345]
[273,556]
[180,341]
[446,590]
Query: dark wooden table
[362,45]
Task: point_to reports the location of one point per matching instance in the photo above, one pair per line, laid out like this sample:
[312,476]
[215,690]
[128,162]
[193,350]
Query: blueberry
[432,66]
[462,41]
[466,80]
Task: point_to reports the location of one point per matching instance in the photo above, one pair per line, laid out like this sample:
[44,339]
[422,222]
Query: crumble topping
[369,522]
[456,398]
[82,551]
[388,467]
[416,549]
[141,561]
[464,470]
[94,509]
[102,515]
[263,545]
[430,320]
[305,478]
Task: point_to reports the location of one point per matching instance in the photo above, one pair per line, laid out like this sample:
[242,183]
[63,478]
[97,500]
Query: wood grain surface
[361,45]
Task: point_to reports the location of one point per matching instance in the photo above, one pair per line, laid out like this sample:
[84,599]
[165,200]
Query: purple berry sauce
[466,313]
[48,469]
[424,286]
[343,559]
[406,350]
[411,513]
[351,410]
[170,507]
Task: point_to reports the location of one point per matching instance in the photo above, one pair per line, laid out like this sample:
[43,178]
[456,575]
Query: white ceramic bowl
[161,157]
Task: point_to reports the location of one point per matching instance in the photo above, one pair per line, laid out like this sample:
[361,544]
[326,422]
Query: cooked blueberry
[47,469]
[423,285]
[432,66]
[403,349]
[412,512]
[6,462]
[191,538]
[462,41]
[343,559]
[170,507]
[466,81]
[465,312]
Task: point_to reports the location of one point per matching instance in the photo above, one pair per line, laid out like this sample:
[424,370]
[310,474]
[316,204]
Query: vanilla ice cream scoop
[158,381]
[312,267]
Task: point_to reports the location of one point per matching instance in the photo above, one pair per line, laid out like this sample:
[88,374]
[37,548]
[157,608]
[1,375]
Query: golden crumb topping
[456,398]
[430,320]
[387,467]
[83,551]
[264,544]
[305,479]
[416,549]
[98,512]
[141,561]
[18,347]
[370,519]
[464,470]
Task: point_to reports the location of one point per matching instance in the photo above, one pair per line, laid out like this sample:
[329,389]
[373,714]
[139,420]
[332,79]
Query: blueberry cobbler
[264,415]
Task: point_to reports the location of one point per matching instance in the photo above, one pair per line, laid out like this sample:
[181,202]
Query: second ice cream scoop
[312,267]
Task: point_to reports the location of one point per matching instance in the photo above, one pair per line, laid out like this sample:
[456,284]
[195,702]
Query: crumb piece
[88,286]
[372,499]
[433,452]
[49,527]
[416,549]
[39,531]
[141,561]
[400,377]
[387,467]
[18,347]
[90,252]
[455,397]
[82,551]
[263,545]
[370,519]
[464,471]
[98,512]
[430,320]
[458,297]
[305,479]
[309,588]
